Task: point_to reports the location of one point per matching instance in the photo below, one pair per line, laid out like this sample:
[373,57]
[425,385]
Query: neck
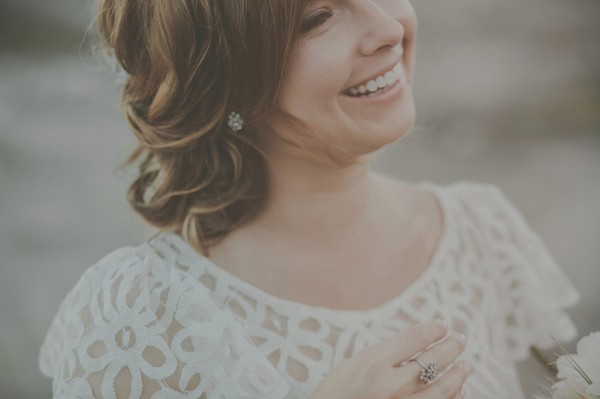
[307,197]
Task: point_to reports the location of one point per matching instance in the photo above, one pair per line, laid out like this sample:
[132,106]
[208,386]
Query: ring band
[429,371]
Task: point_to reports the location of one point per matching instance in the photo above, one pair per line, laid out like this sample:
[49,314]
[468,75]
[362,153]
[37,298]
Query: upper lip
[381,72]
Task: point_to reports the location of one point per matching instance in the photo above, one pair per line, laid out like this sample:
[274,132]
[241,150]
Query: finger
[407,343]
[444,354]
[447,386]
[462,393]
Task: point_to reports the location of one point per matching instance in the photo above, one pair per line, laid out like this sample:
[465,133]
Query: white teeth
[381,82]
[372,86]
[391,77]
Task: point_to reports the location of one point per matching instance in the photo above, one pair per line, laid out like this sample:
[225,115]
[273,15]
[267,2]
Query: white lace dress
[162,321]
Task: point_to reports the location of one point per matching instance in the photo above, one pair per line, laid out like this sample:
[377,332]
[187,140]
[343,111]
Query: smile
[380,83]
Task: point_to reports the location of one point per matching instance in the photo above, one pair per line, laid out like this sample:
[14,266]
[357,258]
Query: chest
[342,279]
[357,286]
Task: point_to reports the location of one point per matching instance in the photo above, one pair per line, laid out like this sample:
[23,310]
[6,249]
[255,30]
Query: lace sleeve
[133,327]
[534,290]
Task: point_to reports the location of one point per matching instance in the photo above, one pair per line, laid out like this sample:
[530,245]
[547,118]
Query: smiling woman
[284,267]
[339,73]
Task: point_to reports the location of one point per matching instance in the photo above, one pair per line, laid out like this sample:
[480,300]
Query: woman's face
[350,76]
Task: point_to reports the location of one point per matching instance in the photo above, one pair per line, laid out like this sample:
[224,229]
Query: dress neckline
[279,302]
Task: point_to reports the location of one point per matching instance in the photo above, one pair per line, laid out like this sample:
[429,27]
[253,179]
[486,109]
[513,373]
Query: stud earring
[235,123]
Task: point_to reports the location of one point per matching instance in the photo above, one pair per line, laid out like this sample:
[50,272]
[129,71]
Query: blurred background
[508,92]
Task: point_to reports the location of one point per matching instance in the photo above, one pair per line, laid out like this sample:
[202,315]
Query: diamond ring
[429,371]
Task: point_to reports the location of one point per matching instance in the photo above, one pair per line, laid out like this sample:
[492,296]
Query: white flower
[587,360]
[566,389]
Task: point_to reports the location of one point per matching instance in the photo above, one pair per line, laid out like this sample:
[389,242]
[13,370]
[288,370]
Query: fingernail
[466,365]
[461,337]
[444,323]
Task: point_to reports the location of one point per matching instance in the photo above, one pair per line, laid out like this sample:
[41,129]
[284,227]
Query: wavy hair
[188,63]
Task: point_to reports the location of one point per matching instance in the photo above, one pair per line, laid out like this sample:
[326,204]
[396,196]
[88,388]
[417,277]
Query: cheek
[316,77]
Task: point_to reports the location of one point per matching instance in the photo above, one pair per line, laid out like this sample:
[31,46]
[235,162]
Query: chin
[394,129]
[382,124]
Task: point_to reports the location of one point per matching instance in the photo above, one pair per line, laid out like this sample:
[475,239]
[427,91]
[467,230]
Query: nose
[382,30]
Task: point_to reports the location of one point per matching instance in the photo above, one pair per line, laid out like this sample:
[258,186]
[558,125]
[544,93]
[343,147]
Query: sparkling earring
[236,123]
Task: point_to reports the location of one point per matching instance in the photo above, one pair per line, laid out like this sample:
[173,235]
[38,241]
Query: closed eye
[315,20]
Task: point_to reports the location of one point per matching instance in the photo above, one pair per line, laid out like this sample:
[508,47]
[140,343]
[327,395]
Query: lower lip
[390,93]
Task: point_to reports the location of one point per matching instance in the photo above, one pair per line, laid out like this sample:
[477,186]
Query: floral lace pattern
[162,321]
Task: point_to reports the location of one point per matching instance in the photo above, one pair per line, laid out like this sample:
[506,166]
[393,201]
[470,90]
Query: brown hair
[188,64]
